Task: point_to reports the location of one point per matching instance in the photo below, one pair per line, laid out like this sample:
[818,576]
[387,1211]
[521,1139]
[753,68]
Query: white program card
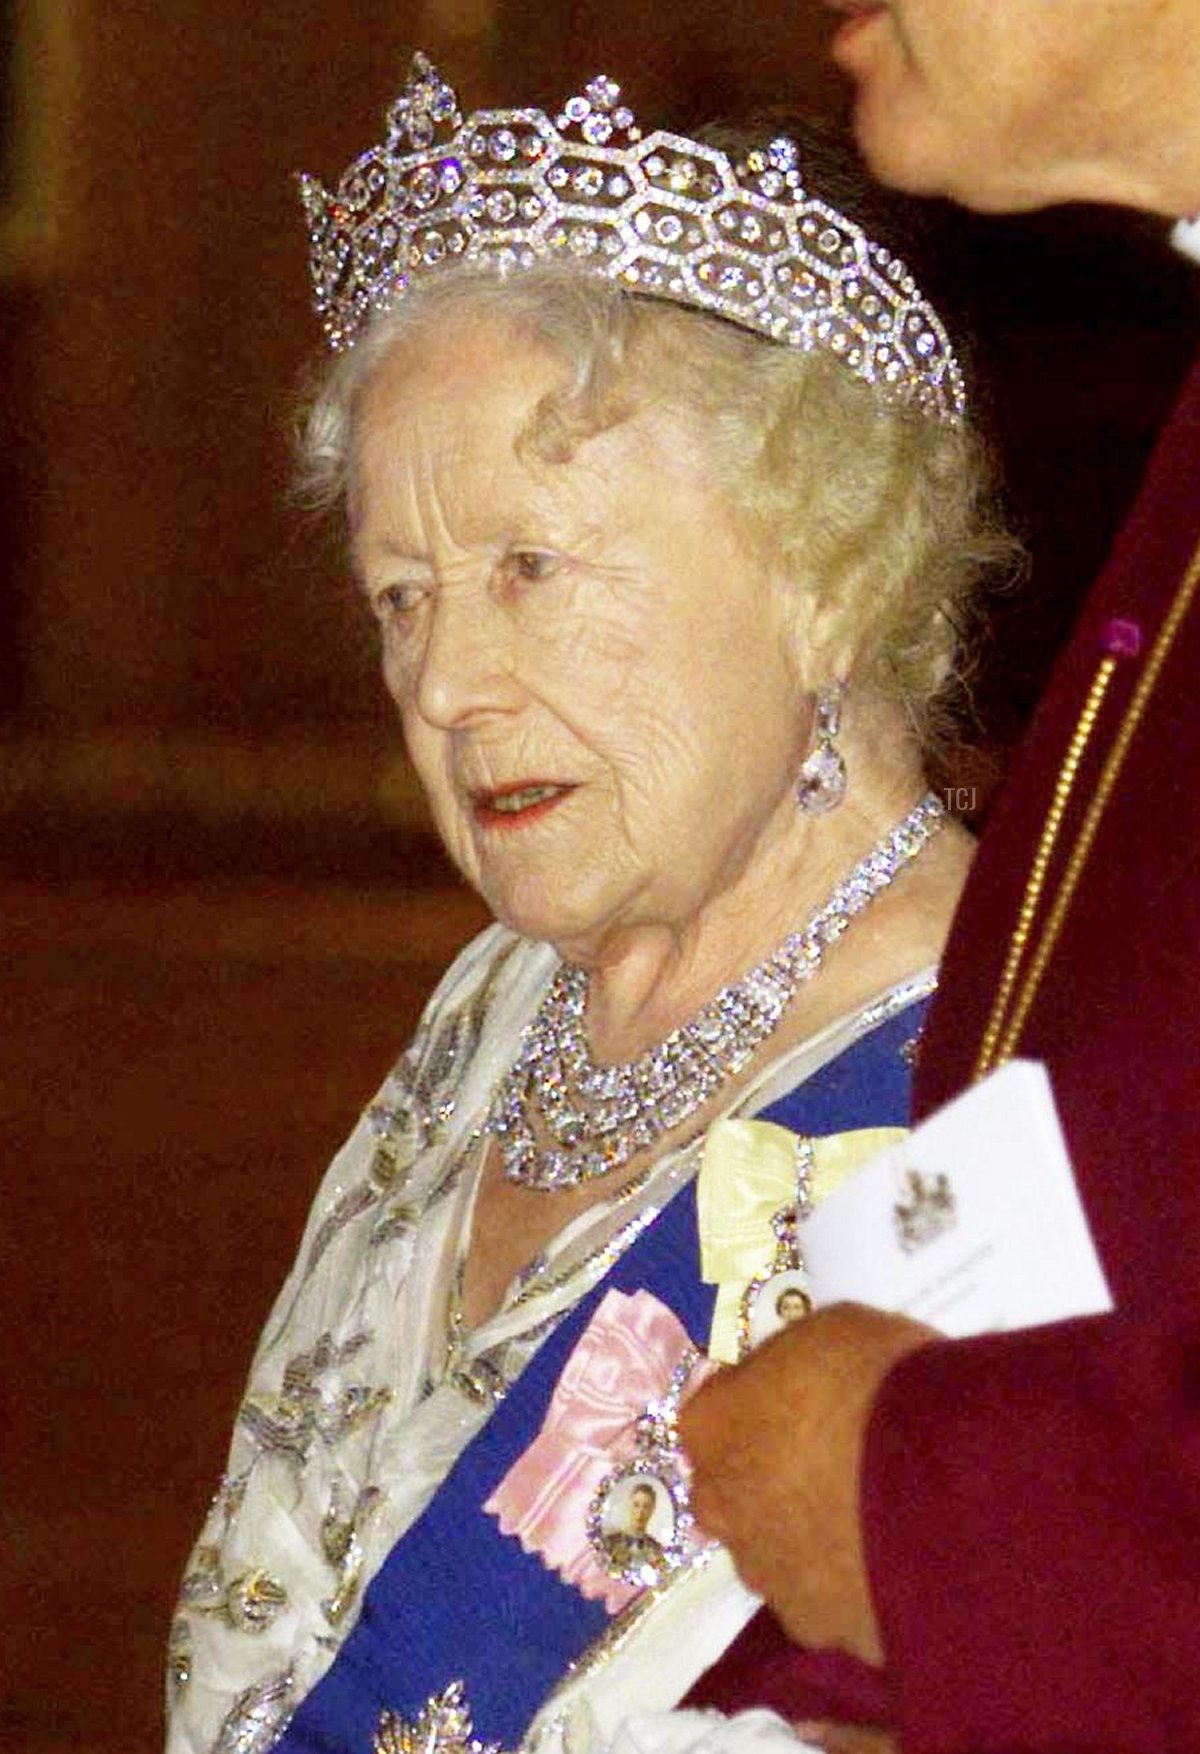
[972,1224]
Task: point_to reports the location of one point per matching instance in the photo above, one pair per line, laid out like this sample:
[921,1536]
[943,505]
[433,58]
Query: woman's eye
[396,600]
[533,564]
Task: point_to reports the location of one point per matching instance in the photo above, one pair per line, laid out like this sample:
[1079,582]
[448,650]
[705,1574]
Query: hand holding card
[972,1223]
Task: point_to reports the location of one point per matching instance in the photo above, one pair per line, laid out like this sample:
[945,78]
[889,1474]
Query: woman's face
[591,663]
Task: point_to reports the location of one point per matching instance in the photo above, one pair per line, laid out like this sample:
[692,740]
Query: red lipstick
[504,808]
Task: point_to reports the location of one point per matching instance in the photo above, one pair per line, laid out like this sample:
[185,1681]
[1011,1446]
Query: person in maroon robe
[994,1544]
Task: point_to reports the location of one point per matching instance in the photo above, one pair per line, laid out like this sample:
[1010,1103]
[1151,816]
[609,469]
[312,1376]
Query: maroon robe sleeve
[1032,1500]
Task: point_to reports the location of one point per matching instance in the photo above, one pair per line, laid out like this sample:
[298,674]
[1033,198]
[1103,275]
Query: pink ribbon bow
[624,1358]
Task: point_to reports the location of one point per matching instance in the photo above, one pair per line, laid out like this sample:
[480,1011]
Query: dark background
[221,908]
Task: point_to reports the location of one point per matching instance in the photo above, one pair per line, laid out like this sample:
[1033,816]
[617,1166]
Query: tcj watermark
[959,800]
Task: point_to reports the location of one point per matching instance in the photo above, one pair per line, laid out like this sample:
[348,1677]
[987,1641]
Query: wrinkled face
[593,668]
[1003,104]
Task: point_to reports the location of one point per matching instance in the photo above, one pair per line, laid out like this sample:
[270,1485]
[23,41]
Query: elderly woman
[659,488]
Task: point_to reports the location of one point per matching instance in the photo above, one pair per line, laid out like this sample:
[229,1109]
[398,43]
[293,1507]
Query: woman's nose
[466,670]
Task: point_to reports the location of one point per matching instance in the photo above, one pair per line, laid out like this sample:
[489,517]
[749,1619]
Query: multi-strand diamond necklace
[562,1120]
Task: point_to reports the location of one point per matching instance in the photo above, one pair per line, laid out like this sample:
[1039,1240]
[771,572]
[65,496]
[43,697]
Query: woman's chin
[538,912]
[532,913]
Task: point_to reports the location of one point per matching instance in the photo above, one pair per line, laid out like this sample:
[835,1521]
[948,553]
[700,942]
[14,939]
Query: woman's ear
[820,649]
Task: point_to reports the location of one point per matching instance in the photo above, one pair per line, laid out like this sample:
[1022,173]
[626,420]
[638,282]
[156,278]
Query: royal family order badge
[640,1523]
[779,1295]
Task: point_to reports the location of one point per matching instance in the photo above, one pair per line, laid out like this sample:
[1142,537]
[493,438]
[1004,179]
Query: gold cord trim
[1000,1041]
[1041,864]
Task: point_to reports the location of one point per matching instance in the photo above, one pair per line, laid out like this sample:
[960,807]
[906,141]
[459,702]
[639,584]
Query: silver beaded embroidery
[250,1602]
[594,1119]
[443,1726]
[306,1411]
[257,1717]
[341,1545]
[179,1659]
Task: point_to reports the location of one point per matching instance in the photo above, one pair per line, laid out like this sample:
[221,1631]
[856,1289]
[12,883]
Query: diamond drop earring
[822,783]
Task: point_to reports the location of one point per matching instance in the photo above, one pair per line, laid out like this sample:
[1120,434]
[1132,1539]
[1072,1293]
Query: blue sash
[456,1599]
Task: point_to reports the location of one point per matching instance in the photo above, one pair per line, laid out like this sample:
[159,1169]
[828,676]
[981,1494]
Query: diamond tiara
[658,214]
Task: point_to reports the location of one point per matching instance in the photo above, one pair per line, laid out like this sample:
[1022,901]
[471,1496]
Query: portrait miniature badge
[779,1295]
[640,1525]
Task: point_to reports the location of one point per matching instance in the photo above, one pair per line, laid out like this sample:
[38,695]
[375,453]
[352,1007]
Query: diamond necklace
[595,1118]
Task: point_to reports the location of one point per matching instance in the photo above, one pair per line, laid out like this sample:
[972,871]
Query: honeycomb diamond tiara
[658,214]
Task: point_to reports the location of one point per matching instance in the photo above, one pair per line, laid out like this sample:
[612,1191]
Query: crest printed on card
[925,1210]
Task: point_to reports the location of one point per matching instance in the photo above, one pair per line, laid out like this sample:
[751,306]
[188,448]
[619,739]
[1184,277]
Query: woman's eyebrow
[383,549]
